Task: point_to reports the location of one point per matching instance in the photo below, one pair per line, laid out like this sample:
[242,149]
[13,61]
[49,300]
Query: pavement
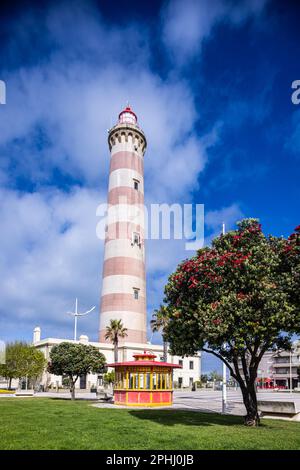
[211,401]
[203,400]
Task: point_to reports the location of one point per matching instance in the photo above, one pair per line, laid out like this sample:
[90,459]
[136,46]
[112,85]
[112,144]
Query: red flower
[241,296]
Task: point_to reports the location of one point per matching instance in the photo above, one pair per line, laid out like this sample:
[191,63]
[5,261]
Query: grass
[44,423]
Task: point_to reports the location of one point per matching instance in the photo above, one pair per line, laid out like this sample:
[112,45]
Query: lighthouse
[123,280]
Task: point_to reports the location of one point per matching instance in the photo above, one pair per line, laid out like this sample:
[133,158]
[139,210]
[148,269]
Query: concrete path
[211,401]
[203,400]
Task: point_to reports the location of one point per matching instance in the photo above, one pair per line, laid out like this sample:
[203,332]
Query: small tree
[159,323]
[74,360]
[232,300]
[204,378]
[114,331]
[22,361]
[36,364]
[109,377]
[214,376]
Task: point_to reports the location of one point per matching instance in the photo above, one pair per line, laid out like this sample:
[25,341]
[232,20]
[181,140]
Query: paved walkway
[203,400]
[211,401]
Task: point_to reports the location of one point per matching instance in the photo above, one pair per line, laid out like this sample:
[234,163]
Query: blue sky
[211,84]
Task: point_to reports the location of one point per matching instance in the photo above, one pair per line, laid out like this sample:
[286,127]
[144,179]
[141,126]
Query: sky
[210,81]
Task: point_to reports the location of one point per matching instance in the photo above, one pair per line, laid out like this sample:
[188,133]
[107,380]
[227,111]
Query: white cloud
[56,119]
[50,254]
[214,220]
[187,24]
[68,102]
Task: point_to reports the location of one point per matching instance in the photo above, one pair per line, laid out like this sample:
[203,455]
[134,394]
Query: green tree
[36,364]
[114,331]
[290,278]
[22,361]
[109,377]
[204,378]
[231,300]
[159,323]
[74,360]
[214,376]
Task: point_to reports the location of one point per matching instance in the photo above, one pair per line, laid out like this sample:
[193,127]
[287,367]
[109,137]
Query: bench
[102,395]
[24,393]
[279,409]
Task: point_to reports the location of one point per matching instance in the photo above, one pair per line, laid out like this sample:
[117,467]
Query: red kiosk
[144,381]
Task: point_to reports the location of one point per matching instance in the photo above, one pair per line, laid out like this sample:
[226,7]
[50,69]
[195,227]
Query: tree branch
[222,359]
[245,368]
[238,376]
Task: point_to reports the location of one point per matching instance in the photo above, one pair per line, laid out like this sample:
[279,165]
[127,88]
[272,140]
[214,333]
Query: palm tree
[114,331]
[158,323]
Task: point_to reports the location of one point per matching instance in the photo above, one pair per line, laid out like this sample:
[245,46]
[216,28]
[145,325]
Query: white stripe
[125,177]
[132,320]
[126,147]
[122,247]
[122,284]
[123,212]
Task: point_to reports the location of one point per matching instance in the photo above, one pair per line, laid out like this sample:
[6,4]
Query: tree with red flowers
[232,300]
[291,267]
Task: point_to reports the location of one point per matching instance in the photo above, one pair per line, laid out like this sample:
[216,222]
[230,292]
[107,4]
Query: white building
[185,377]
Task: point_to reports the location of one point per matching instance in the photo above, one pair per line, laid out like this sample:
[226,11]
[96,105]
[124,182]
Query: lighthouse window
[135,293]
[136,185]
[136,239]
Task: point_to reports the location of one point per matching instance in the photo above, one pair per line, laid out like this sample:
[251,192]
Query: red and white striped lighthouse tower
[124,284]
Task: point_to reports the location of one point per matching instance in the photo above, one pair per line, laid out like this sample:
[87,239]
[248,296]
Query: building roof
[145,359]
[144,363]
[127,110]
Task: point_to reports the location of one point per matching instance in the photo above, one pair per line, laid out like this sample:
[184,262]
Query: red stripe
[123,302]
[126,159]
[127,195]
[133,336]
[124,265]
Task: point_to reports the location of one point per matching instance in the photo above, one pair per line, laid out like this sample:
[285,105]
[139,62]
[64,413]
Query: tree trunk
[250,402]
[9,383]
[165,354]
[116,351]
[72,390]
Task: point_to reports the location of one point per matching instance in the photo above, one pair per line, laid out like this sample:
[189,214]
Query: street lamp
[76,314]
[224,382]
[291,375]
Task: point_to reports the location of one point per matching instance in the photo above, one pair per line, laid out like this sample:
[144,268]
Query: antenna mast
[76,314]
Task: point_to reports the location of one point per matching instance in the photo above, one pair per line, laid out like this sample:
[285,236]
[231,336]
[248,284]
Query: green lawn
[41,423]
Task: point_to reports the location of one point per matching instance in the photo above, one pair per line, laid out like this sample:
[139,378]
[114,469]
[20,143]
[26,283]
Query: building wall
[285,367]
[125,353]
[275,366]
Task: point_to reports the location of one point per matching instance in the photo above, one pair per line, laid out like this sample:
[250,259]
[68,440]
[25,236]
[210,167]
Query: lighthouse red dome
[127,116]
